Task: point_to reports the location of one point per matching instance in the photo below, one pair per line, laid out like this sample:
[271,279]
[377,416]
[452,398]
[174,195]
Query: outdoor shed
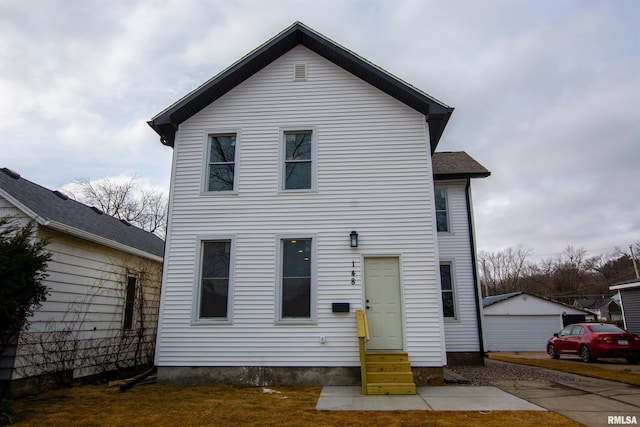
[630,300]
[520,321]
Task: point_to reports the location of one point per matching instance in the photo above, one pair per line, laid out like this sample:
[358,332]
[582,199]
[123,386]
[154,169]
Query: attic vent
[299,72]
[96,210]
[12,174]
[61,195]
[125,222]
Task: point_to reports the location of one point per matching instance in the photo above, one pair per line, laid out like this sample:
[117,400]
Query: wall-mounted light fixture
[354,239]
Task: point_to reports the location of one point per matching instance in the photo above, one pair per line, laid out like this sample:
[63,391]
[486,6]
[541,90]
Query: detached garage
[523,322]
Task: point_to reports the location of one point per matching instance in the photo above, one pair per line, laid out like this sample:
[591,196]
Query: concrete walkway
[589,401]
[446,398]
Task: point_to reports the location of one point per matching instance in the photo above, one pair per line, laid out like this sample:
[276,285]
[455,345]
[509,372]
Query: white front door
[383,304]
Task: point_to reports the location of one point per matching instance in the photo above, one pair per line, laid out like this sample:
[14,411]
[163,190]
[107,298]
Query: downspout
[474,265]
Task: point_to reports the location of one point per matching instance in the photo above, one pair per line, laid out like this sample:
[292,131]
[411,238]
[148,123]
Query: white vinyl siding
[373,176]
[88,292]
[461,332]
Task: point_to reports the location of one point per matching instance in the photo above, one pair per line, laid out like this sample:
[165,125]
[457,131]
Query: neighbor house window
[296,285]
[129,303]
[221,167]
[298,160]
[448,297]
[214,279]
[442,217]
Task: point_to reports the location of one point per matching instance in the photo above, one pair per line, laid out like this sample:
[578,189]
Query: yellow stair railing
[363,337]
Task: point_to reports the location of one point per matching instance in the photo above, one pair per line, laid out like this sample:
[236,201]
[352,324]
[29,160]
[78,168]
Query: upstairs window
[442,216]
[221,167]
[298,159]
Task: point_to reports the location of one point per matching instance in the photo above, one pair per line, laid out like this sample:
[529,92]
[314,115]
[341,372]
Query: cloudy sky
[546,94]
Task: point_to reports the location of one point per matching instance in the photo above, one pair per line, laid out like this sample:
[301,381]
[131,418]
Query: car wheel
[552,352]
[632,360]
[585,354]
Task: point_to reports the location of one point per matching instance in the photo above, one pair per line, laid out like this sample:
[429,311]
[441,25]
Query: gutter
[58,226]
[474,265]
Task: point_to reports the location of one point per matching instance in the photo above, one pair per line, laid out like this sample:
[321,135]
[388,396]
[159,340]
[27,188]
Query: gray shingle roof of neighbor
[458,164]
[436,112]
[53,206]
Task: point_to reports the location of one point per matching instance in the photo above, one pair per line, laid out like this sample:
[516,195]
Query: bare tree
[126,200]
[503,271]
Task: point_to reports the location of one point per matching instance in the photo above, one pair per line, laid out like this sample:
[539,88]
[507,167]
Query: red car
[593,340]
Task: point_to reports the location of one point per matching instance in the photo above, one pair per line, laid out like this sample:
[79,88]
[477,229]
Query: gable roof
[55,210]
[437,113]
[495,299]
[454,165]
[487,301]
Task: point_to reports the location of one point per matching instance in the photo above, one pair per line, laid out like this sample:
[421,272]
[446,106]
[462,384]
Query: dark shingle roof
[453,165]
[437,113]
[54,206]
[486,301]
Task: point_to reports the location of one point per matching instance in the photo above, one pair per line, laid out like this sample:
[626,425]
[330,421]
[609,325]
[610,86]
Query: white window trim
[204,182]
[446,199]
[197,285]
[282,157]
[454,290]
[313,315]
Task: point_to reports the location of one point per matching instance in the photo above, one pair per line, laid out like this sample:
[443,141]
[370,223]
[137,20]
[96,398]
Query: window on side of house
[298,160]
[221,165]
[214,280]
[296,280]
[442,216]
[448,297]
[129,303]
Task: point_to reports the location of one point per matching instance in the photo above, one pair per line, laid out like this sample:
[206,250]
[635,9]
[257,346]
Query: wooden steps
[388,372]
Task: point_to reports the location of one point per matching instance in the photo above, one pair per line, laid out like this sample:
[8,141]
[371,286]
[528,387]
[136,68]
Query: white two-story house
[305,187]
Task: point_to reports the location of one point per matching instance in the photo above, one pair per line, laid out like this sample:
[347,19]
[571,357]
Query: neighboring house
[520,321]
[104,289]
[305,187]
[604,309]
[630,301]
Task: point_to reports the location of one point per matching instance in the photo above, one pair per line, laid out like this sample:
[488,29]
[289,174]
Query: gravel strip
[494,370]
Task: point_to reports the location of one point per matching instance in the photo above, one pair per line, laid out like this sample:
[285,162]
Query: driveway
[590,401]
[607,363]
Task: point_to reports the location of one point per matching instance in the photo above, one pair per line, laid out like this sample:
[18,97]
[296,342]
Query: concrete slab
[447,398]
[474,399]
[336,398]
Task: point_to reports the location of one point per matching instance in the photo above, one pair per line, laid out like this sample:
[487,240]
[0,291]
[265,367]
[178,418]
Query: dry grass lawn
[165,405]
[573,367]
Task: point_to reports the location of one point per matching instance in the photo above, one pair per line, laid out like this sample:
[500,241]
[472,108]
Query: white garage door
[519,333]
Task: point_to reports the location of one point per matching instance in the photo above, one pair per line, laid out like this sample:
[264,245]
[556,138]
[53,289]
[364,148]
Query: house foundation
[255,376]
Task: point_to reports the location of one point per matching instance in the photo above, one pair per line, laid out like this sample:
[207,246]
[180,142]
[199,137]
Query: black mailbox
[340,307]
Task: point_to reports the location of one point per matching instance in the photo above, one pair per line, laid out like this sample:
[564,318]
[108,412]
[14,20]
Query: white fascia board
[24,209]
[54,225]
[625,286]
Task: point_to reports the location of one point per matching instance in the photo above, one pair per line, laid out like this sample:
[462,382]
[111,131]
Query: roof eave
[436,113]
[464,175]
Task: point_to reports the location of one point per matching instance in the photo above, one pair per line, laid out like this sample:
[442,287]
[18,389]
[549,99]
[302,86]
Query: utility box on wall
[340,307]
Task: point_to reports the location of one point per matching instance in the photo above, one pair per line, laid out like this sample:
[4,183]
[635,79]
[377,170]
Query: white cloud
[545,93]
